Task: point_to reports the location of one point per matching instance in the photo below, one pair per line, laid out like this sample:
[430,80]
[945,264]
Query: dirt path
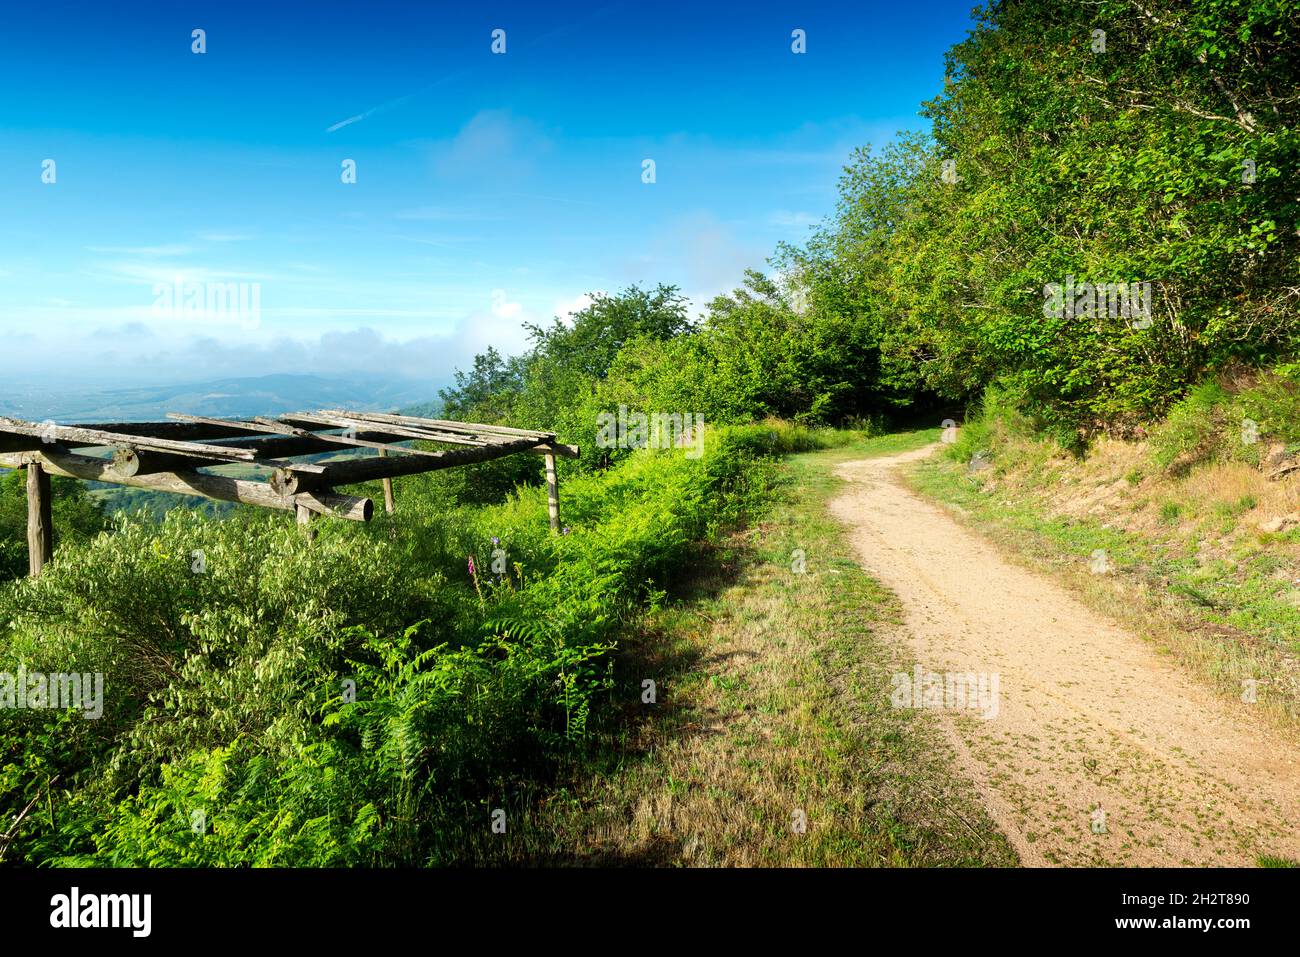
[1089,717]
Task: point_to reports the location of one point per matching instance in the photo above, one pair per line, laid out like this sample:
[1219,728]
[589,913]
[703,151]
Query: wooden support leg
[40,523]
[390,505]
[552,492]
[305,516]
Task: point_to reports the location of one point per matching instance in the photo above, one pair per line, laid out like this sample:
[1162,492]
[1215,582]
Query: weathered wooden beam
[180,431]
[552,493]
[304,519]
[20,443]
[129,462]
[557,448]
[293,479]
[218,487]
[390,505]
[283,447]
[368,470]
[445,424]
[342,421]
[74,436]
[297,441]
[321,420]
[40,520]
[283,428]
[289,440]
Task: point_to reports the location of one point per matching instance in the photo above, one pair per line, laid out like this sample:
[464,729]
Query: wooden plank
[552,493]
[304,519]
[390,506]
[40,521]
[491,432]
[218,487]
[446,424]
[182,431]
[309,443]
[558,448]
[73,436]
[298,441]
[282,428]
[368,470]
[331,421]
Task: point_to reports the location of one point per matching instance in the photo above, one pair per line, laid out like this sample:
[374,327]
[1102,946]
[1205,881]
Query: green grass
[776,700]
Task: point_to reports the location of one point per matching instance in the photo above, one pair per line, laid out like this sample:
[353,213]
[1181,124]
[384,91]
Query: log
[405,432]
[368,470]
[277,447]
[129,462]
[557,448]
[447,424]
[283,428]
[304,517]
[180,431]
[390,506]
[218,487]
[75,436]
[289,441]
[40,521]
[291,478]
[20,443]
[553,493]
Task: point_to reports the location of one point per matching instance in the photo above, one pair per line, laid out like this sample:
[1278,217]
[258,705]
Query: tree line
[1079,157]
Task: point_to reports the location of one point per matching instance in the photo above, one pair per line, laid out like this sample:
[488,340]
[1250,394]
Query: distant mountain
[263,395]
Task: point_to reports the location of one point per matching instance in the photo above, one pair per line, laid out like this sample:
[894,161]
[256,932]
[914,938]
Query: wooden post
[552,492]
[40,523]
[305,516]
[390,506]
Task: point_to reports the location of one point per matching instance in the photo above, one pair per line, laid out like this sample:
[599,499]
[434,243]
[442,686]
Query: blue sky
[490,189]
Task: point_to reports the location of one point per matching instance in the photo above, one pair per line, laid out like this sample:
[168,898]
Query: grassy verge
[1218,598]
[772,709]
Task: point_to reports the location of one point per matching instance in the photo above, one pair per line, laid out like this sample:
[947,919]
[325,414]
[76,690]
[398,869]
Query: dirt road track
[1089,716]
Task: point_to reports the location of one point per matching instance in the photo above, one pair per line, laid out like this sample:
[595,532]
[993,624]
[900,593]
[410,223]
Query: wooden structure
[170,457]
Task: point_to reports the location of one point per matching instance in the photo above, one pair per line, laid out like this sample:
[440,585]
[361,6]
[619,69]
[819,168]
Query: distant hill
[241,397]
[423,410]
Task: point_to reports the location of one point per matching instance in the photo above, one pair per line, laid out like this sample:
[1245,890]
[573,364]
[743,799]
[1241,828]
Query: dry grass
[1192,570]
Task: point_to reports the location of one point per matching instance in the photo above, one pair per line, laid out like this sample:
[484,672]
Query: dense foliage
[77,518]
[372,697]
[1109,143]
[364,698]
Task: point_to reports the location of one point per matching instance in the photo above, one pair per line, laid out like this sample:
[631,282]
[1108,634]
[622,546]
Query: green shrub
[352,700]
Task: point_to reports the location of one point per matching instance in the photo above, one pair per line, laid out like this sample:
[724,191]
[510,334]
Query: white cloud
[566,308]
[495,146]
[502,308]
